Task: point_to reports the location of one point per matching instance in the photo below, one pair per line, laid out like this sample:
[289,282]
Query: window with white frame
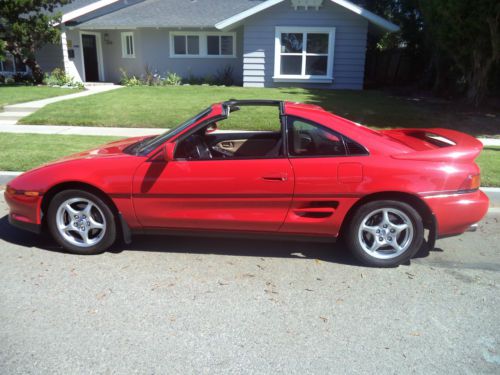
[304,53]
[128,46]
[202,44]
[12,65]
[186,45]
[221,45]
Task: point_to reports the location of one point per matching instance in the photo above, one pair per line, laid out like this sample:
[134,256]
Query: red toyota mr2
[317,176]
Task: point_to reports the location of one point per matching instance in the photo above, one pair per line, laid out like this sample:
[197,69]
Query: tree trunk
[478,80]
[36,70]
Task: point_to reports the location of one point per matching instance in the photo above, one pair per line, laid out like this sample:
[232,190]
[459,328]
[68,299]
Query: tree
[406,14]
[391,56]
[27,25]
[468,33]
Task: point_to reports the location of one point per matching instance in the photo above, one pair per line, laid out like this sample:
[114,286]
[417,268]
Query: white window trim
[10,57]
[328,78]
[203,44]
[124,36]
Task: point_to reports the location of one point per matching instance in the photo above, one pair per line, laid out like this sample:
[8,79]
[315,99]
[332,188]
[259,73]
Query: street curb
[490,142]
[492,193]
[6,177]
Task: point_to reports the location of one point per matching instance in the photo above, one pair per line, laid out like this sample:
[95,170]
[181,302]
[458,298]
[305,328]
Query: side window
[248,132]
[309,139]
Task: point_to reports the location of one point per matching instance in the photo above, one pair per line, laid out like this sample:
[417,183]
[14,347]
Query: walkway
[122,132]
[80,130]
[12,113]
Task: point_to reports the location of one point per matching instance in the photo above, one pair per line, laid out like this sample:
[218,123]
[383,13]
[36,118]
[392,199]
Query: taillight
[472,182]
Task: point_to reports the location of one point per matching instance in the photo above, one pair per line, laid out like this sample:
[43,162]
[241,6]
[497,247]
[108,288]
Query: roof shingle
[171,13]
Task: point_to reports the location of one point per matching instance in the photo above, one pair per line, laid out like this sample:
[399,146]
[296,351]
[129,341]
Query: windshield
[149,144]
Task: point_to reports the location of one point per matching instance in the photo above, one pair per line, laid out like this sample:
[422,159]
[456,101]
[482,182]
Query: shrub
[25,78]
[224,76]
[125,80]
[208,80]
[152,78]
[172,79]
[58,77]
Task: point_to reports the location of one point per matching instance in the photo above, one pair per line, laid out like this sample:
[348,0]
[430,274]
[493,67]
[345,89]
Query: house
[267,43]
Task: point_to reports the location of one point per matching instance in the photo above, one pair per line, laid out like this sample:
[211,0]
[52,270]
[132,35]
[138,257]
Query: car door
[224,194]
[326,178]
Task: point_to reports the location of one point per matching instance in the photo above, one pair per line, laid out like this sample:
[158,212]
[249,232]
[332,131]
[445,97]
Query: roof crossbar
[234,104]
[256,102]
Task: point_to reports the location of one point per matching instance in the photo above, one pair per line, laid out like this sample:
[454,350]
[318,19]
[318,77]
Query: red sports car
[318,176]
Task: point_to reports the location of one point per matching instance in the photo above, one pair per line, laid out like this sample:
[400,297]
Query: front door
[242,195]
[89,45]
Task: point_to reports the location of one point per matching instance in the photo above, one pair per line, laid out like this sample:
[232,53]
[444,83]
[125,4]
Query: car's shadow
[328,252]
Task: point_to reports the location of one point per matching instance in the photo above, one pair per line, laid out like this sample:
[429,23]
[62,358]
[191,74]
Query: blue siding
[152,49]
[350,44]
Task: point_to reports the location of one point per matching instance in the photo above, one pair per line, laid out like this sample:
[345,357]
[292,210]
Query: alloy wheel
[81,222]
[385,233]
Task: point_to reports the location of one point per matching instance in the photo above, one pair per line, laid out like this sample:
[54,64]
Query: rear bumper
[457,213]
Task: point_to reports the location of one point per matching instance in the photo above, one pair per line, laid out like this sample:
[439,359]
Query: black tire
[101,214]
[359,241]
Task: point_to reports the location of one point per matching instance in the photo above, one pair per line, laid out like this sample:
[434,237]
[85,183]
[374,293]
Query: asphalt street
[173,305]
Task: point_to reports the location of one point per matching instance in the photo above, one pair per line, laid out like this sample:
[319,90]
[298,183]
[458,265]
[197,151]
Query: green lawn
[20,152]
[166,107]
[489,162]
[20,94]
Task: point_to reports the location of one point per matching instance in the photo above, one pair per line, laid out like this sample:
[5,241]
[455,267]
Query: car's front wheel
[81,222]
[385,233]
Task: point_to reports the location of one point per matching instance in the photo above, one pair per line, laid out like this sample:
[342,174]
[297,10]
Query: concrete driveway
[167,305]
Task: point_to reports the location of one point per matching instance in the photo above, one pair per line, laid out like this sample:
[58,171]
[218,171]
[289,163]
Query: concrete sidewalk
[14,112]
[495,142]
[121,132]
[80,130]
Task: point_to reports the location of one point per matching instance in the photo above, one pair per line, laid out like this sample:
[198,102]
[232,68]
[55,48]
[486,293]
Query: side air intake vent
[354,148]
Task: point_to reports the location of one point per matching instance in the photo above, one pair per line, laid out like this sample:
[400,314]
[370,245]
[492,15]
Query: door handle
[279,177]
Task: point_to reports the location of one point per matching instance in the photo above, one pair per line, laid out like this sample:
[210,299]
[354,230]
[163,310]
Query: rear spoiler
[444,144]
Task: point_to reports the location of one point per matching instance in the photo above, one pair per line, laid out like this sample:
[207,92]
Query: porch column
[69,64]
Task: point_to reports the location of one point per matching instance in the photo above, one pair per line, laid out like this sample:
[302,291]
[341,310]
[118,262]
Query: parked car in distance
[317,176]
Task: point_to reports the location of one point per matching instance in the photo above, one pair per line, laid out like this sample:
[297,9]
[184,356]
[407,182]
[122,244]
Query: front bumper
[25,211]
[456,213]
[30,227]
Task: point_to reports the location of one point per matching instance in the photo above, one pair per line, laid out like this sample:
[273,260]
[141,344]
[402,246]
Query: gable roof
[372,17]
[80,7]
[73,5]
[172,13]
[223,14]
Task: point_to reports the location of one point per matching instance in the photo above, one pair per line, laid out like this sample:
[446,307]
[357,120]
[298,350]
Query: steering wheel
[200,150]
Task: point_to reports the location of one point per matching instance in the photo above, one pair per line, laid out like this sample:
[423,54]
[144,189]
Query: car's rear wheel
[81,222]
[385,233]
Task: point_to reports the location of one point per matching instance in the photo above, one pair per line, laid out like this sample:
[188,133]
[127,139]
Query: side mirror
[169,151]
